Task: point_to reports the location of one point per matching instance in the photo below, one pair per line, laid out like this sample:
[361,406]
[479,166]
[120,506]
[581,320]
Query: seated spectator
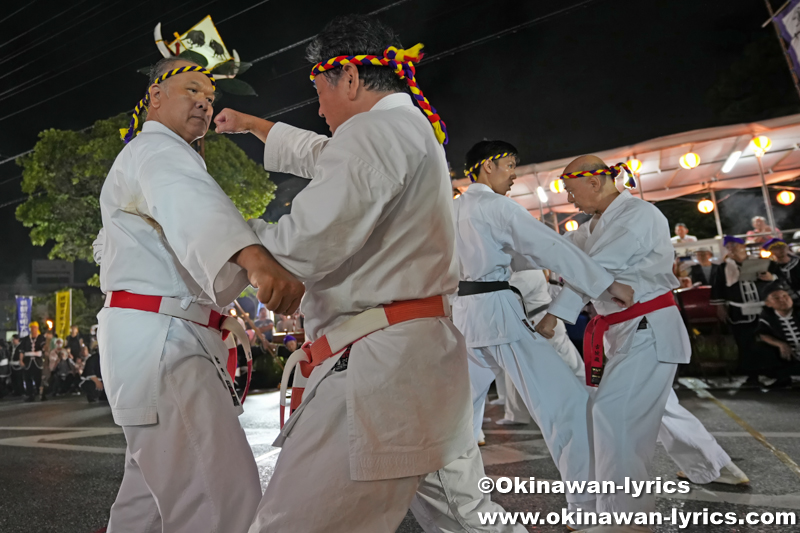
[64,375]
[779,327]
[288,347]
[92,379]
[704,270]
[264,324]
[682,234]
[760,226]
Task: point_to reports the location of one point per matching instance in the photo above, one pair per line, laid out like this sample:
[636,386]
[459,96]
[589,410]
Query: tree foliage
[66,170]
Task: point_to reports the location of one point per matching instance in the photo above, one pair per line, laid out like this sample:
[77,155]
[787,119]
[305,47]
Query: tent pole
[555,219]
[765,192]
[541,209]
[716,214]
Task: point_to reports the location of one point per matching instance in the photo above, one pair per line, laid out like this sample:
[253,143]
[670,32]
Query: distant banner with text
[24,312]
[63,313]
[789,23]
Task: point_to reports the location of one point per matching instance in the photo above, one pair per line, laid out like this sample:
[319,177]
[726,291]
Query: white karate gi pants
[555,399]
[626,412]
[193,471]
[328,501]
[448,501]
[689,443]
[515,409]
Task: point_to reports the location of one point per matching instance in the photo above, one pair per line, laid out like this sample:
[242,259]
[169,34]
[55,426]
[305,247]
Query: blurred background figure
[760,226]
[682,234]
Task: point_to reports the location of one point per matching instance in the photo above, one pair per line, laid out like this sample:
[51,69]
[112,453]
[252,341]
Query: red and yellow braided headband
[613,172]
[128,133]
[472,172]
[402,62]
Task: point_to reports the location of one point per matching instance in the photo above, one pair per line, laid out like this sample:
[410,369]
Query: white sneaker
[507,422]
[498,401]
[729,474]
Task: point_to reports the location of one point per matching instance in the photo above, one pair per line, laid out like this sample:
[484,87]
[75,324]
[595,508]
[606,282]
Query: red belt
[196,313]
[355,329]
[597,327]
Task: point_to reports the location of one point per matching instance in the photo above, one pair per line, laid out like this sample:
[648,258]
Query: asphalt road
[61,461]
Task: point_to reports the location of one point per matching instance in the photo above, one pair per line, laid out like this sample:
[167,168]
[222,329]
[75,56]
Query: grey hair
[351,35]
[164,65]
[758,217]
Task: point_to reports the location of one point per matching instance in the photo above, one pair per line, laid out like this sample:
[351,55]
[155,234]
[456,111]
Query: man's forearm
[259,127]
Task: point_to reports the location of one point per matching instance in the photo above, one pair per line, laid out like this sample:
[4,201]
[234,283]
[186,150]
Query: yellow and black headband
[612,172]
[128,133]
[472,172]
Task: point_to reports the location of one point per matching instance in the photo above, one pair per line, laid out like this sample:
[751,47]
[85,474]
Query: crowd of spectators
[40,365]
[755,288]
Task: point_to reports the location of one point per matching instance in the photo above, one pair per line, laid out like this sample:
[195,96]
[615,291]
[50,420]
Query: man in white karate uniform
[174,250]
[370,235]
[644,343]
[696,452]
[493,235]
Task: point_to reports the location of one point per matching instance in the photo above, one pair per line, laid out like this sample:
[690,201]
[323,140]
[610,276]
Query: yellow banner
[63,313]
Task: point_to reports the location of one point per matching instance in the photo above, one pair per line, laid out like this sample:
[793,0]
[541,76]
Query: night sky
[605,74]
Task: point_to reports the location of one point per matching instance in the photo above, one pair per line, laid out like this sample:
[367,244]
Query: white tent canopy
[661,176]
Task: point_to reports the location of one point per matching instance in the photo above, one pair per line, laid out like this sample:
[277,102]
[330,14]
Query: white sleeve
[332,218]
[97,246]
[198,220]
[547,249]
[293,150]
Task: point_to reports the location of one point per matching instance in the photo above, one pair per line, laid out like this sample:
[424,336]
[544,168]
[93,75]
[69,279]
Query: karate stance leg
[500,385]
[481,374]
[195,461]
[689,444]
[515,411]
[448,501]
[556,401]
[311,490]
[626,416]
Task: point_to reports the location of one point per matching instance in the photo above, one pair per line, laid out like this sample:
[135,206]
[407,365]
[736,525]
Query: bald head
[590,194]
[584,163]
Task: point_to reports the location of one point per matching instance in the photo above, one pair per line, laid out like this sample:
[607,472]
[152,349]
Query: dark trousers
[92,394]
[62,383]
[755,358]
[33,380]
[17,381]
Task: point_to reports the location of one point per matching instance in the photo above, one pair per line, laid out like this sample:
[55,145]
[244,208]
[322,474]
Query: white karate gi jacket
[374,226]
[494,234]
[168,230]
[631,240]
[533,286]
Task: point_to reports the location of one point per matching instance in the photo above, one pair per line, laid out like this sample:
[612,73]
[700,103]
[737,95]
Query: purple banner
[24,312]
[788,21]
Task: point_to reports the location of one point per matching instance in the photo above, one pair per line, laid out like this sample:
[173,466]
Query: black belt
[469,288]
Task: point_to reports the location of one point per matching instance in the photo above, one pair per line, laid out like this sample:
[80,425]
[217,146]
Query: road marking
[46,441]
[700,389]
[264,456]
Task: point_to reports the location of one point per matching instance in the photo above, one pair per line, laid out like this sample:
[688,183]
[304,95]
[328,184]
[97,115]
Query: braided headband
[401,61]
[613,172]
[472,172]
[127,134]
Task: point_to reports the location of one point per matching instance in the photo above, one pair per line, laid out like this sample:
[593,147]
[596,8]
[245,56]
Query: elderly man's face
[184,103]
[292,346]
[584,193]
[681,231]
[759,225]
[738,251]
[333,101]
[780,301]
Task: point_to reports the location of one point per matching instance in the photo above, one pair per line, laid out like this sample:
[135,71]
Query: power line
[9,180]
[452,51]
[41,23]
[17,11]
[105,51]
[20,200]
[54,35]
[308,39]
[226,19]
